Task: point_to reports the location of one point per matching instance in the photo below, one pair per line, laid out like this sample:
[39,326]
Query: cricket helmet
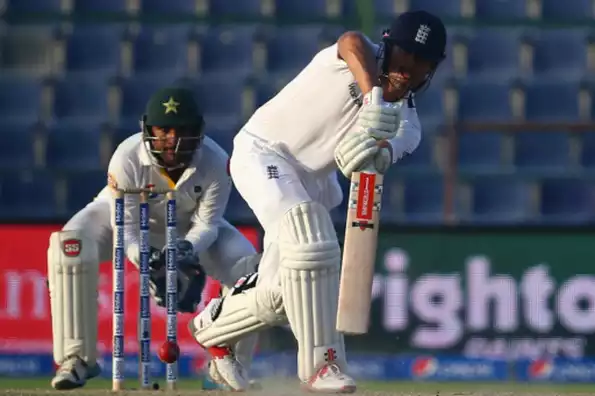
[419,33]
[174,107]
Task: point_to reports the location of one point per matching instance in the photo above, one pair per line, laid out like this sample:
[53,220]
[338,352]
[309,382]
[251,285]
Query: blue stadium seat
[237,210]
[295,9]
[423,199]
[429,105]
[451,8]
[27,50]
[123,131]
[223,135]
[225,105]
[228,50]
[567,201]
[35,6]
[551,101]
[493,106]
[542,152]
[20,99]
[587,156]
[95,49]
[574,10]
[493,53]
[71,147]
[422,159]
[27,195]
[292,58]
[560,54]
[162,49]
[247,8]
[185,7]
[16,150]
[265,91]
[82,187]
[480,152]
[500,199]
[81,100]
[83,6]
[500,9]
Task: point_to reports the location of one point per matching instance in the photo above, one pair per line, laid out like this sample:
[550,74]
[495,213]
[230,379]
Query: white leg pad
[244,348]
[309,273]
[73,273]
[246,309]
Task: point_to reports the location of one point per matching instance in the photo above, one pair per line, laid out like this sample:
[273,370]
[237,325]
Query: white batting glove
[359,150]
[378,118]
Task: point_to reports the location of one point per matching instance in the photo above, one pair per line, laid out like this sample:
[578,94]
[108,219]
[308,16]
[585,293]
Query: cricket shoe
[226,370]
[73,373]
[330,379]
[209,384]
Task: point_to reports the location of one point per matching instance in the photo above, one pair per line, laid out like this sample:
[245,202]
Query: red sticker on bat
[365,196]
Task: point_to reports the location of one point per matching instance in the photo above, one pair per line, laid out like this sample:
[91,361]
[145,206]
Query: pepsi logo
[540,368]
[424,367]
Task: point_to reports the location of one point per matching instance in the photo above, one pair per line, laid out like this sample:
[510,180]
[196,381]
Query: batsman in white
[171,152]
[351,107]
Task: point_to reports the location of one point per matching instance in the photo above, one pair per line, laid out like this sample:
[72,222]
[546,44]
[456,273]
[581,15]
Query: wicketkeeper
[171,152]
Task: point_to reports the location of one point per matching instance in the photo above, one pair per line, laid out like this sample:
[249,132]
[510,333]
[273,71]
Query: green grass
[394,388]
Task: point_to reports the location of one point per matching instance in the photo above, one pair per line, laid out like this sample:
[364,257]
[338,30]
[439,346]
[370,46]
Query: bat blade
[359,253]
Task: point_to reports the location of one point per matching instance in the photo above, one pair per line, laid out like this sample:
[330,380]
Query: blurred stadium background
[485,251]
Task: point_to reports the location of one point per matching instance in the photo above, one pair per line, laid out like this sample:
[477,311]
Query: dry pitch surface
[35,387]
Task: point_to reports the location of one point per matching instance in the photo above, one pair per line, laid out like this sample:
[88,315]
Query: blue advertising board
[556,370]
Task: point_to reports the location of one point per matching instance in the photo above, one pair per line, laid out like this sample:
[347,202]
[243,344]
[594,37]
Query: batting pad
[309,273]
[225,321]
[73,273]
[245,347]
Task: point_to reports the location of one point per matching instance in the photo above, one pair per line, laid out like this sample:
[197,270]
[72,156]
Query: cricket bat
[359,252]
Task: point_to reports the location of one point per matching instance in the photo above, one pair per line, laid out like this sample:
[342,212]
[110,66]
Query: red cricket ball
[169,352]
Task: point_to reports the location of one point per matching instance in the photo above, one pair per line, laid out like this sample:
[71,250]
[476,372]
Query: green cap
[172,106]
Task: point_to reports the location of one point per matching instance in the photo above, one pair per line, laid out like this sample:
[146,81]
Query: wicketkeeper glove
[191,277]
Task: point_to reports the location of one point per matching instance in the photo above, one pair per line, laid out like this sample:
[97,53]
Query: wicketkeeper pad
[309,273]
[73,273]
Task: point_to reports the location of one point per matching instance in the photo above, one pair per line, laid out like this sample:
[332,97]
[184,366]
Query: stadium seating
[162,49]
[158,7]
[481,153]
[17,148]
[73,147]
[567,10]
[35,6]
[69,90]
[498,200]
[234,8]
[28,195]
[81,101]
[501,9]
[567,201]
[20,99]
[228,50]
[96,50]
[90,6]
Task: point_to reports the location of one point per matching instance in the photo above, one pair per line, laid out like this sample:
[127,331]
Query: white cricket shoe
[73,373]
[330,379]
[226,370]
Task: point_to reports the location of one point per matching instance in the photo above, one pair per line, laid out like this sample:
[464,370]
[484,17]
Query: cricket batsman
[351,107]
[171,152]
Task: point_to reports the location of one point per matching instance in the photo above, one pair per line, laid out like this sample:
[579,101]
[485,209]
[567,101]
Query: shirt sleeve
[409,133]
[121,175]
[210,209]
